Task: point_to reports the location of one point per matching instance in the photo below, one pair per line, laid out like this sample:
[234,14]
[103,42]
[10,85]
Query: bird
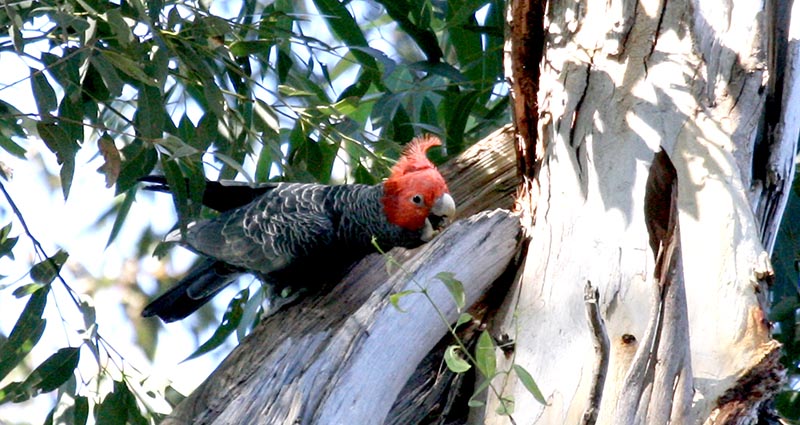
[302,234]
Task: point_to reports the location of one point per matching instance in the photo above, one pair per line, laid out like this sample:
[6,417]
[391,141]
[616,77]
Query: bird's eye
[417,199]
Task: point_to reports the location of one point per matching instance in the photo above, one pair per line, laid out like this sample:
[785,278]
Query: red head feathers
[415,191]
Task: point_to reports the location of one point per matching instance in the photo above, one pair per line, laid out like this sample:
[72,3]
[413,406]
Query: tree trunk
[713,84]
[343,356]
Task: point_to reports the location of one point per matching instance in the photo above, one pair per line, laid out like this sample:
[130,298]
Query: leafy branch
[58,371]
[457,357]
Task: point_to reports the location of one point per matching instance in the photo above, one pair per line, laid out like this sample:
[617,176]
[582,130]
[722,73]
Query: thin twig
[37,246]
[591,297]
[452,330]
[40,251]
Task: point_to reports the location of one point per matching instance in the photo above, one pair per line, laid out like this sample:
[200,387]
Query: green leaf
[788,404]
[70,114]
[467,44]
[51,374]
[506,406]
[16,36]
[463,318]
[25,290]
[130,68]
[11,146]
[139,160]
[54,371]
[402,130]
[484,355]
[150,114]
[441,69]
[176,147]
[43,93]
[66,174]
[213,97]
[57,140]
[64,68]
[119,27]
[158,64]
[454,360]
[108,74]
[529,383]
[234,164]
[458,110]
[230,320]
[251,316]
[207,132]
[395,299]
[81,412]
[88,312]
[60,143]
[455,287]
[73,409]
[187,189]
[784,309]
[427,113]
[15,392]
[419,29]
[26,332]
[7,244]
[265,161]
[475,403]
[47,270]
[313,157]
[122,213]
[249,47]
[344,26]
[113,410]
[482,387]
[284,64]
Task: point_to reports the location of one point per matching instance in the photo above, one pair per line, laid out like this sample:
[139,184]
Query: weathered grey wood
[771,195]
[343,357]
[484,176]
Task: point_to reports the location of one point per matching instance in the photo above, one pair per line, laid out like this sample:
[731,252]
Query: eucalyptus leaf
[26,332]
[530,385]
[230,321]
[454,361]
[394,299]
[46,271]
[485,355]
[454,286]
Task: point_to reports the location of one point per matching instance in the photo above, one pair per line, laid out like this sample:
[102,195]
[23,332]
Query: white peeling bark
[619,80]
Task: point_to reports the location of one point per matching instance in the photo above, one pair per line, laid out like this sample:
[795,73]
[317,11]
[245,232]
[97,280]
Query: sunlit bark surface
[619,80]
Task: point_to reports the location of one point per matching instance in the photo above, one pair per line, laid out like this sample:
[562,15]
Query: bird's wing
[266,235]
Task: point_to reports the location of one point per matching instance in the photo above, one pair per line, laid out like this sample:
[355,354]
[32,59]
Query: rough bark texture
[343,356]
[620,80]
[658,386]
[484,176]
[524,38]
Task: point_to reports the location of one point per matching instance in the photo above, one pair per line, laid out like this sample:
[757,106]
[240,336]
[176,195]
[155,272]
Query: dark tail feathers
[219,196]
[202,282]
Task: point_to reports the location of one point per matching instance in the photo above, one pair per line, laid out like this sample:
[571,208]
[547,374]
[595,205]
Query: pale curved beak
[444,208]
[442,213]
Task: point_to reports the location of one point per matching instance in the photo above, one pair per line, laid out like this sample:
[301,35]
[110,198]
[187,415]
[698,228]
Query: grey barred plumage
[295,220]
[301,234]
